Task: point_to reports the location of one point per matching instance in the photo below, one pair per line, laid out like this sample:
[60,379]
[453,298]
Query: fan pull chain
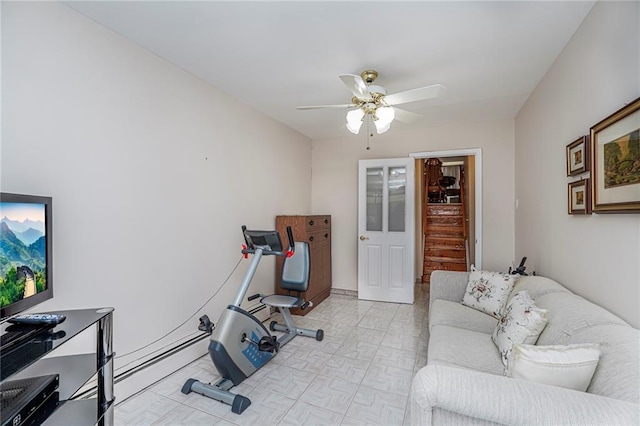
[369,134]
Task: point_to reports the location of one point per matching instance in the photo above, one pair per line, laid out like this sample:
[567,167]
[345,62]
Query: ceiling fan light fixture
[385,116]
[354,120]
[372,100]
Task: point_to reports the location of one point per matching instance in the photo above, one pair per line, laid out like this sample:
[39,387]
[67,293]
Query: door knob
[362,238]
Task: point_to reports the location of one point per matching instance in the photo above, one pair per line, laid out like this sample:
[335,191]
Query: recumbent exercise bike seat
[295,277]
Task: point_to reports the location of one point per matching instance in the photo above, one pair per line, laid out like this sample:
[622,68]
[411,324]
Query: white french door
[386,200]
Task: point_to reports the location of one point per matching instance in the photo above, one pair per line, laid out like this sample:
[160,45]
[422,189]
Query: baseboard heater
[259,310]
[93,390]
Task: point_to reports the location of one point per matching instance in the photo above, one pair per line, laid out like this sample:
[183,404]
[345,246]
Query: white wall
[151,170]
[597,256]
[335,185]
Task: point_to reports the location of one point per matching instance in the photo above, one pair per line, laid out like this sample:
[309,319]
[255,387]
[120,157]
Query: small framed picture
[578,156]
[580,197]
[616,161]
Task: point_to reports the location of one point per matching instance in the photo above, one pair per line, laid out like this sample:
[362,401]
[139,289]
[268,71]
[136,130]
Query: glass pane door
[374,198]
[397,185]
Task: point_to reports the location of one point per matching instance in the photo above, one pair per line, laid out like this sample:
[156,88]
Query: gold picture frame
[580,197]
[615,149]
[578,156]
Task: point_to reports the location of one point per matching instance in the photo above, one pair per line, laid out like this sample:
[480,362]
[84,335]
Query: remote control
[37,319]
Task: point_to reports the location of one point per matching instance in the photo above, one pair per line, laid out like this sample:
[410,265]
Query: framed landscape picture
[578,156]
[580,197]
[615,143]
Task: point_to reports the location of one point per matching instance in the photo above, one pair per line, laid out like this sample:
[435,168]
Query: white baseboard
[344,292]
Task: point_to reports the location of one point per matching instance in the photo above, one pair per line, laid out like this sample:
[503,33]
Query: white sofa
[464,383]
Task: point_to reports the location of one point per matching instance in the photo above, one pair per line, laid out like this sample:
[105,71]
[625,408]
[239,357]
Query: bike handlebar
[292,244]
[265,252]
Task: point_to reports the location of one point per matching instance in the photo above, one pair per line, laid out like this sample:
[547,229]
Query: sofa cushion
[567,366]
[488,291]
[521,322]
[568,314]
[618,372]
[455,314]
[447,285]
[536,286]
[457,347]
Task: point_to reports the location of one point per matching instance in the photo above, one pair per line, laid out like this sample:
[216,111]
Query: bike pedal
[268,344]
[206,325]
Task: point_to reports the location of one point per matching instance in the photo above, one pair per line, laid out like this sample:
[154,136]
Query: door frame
[477,153]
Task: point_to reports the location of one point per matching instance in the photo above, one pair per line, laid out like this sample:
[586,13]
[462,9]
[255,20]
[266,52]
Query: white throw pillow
[521,322]
[570,367]
[488,291]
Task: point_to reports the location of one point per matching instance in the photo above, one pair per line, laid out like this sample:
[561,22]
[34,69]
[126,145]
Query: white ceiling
[279,55]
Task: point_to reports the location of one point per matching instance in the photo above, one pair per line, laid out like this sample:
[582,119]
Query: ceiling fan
[370,99]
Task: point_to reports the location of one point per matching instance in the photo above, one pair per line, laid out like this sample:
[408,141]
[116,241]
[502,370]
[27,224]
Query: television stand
[16,334]
[26,360]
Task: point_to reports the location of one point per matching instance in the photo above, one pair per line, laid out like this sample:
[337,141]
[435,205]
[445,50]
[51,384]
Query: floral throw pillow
[488,291]
[521,323]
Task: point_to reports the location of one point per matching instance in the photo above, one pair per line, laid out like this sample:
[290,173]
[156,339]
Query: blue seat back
[295,269]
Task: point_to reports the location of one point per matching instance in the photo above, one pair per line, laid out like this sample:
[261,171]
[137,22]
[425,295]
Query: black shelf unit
[26,360]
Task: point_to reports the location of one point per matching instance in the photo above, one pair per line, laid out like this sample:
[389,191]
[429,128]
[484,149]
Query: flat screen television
[25,252]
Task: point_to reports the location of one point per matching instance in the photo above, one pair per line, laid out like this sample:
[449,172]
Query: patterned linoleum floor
[360,374]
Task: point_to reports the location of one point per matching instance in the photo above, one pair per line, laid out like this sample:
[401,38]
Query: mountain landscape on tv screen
[19,227]
[29,236]
[22,259]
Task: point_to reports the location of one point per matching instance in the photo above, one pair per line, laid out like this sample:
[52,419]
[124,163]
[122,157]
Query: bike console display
[269,241]
[265,239]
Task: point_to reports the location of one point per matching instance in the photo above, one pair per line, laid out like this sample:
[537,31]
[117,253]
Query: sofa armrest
[485,397]
[447,285]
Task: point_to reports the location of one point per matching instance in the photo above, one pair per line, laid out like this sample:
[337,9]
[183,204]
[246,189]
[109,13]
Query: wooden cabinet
[315,230]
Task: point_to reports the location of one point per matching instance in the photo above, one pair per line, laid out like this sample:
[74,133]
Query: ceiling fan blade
[356,84]
[414,95]
[344,106]
[407,117]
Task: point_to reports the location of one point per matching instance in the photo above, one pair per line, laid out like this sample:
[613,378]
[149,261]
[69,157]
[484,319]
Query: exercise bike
[240,344]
